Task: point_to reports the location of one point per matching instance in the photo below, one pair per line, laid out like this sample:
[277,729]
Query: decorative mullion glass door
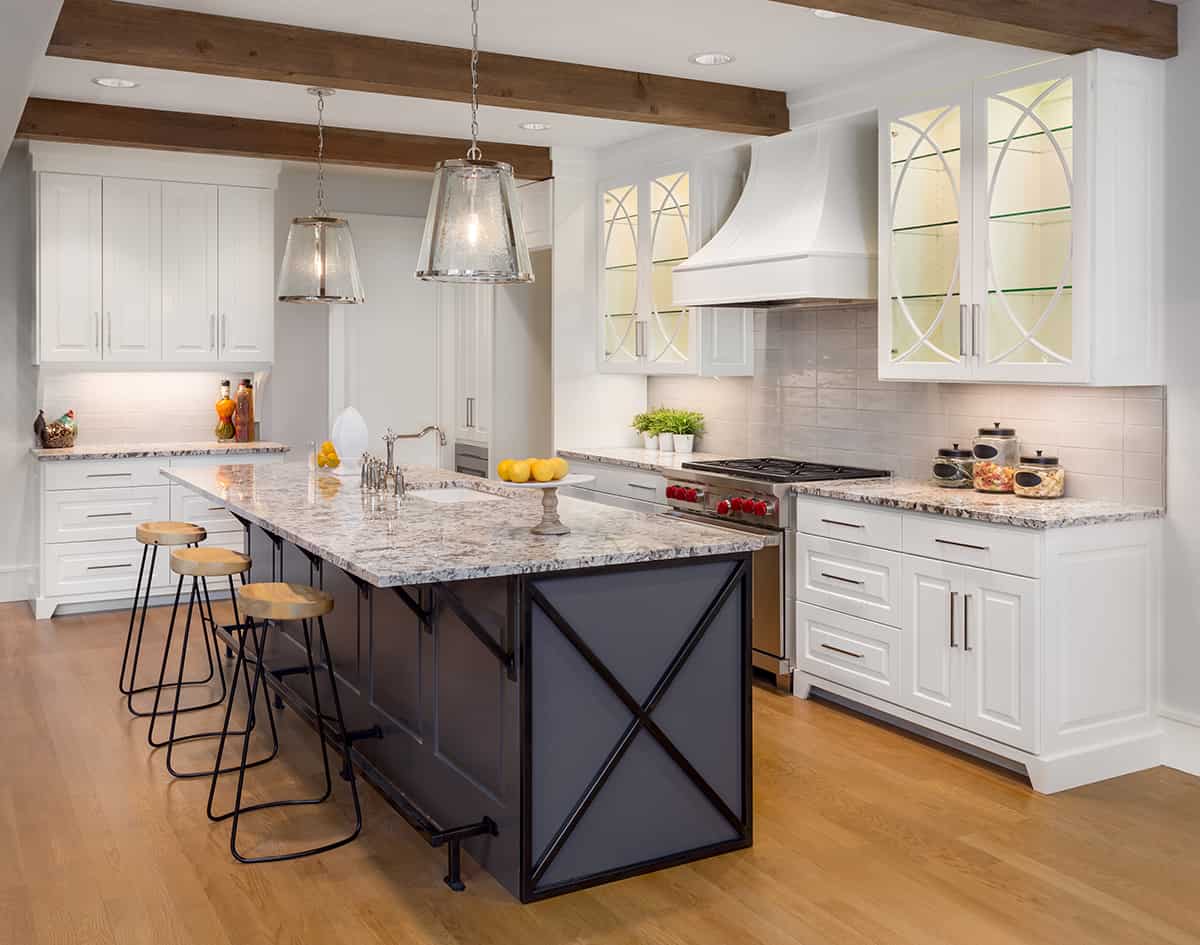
[926,243]
[668,341]
[620,274]
[1027,191]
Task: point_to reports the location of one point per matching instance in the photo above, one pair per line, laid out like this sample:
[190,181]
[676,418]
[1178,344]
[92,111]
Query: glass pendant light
[473,231]
[319,264]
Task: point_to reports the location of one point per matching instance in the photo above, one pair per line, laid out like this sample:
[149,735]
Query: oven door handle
[770,536]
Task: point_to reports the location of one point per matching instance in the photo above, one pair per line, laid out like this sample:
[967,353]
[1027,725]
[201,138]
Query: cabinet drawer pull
[108,475]
[108,514]
[216,508]
[838,649]
[953,598]
[106,567]
[641,485]
[967,622]
[844,580]
[834,521]
[960,544]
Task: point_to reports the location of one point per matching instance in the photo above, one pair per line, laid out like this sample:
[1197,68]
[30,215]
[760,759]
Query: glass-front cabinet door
[645,233]
[1026,220]
[925,240]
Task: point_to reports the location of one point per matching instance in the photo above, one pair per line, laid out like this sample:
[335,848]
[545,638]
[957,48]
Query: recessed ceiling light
[111,82]
[535,125]
[827,14]
[711,59]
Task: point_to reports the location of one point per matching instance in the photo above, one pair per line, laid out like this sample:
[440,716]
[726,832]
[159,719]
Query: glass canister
[1040,477]
[997,451]
[954,468]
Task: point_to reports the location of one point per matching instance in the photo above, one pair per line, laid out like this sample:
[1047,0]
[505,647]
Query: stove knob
[737,503]
[723,507]
[760,507]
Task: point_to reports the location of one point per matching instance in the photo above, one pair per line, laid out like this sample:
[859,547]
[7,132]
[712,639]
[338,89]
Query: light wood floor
[863,835]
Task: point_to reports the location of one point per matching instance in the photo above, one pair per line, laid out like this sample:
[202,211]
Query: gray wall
[300,378]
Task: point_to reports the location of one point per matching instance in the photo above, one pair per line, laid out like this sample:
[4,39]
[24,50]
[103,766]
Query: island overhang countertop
[418,541]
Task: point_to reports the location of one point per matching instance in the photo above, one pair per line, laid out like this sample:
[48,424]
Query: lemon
[321,460]
[560,467]
[519,471]
[504,469]
[543,470]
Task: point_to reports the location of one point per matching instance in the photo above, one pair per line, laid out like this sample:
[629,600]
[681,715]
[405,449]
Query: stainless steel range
[754,495]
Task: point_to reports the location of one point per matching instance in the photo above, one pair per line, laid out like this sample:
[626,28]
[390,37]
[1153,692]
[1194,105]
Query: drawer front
[189,506]
[854,579]
[103,473]
[93,567]
[94,514]
[993,547]
[623,481]
[848,521]
[857,653]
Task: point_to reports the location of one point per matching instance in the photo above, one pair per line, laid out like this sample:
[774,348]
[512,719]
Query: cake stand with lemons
[547,475]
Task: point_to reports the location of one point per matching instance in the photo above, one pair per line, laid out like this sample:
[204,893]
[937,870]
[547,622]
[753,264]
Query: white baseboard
[15,582]
[1181,740]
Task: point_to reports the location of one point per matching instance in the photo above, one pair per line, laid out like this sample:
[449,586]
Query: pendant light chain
[321,153]
[473,152]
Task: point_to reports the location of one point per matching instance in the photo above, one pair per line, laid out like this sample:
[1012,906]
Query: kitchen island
[575,708]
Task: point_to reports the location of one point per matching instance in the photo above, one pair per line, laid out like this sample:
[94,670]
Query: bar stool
[199,564]
[152,535]
[272,603]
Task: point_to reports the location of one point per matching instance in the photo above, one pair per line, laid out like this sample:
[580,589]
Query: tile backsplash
[816,395]
[135,406]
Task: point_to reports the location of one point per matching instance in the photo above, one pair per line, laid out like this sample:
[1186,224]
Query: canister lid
[1039,460]
[956,453]
[997,430]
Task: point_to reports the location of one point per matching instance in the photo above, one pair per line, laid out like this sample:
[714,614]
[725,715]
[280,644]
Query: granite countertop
[915,495]
[143,450]
[418,541]
[638,458]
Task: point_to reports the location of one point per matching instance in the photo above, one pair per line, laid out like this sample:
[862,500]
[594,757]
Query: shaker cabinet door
[133,275]
[189,272]
[69,297]
[246,273]
[932,671]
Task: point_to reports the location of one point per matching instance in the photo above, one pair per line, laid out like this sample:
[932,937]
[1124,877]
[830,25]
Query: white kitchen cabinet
[133,275]
[537,213]
[931,672]
[469,309]
[1020,227]
[246,238]
[189,292]
[69,273]
[648,226]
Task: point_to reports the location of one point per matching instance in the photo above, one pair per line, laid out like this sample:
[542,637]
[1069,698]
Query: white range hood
[804,232]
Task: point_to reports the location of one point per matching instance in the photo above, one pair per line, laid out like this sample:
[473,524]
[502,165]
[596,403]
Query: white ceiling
[776,46]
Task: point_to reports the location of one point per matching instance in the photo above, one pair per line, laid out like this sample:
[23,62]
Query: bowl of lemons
[547,474]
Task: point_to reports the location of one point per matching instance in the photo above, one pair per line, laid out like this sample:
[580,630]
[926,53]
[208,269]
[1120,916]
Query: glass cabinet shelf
[1031,290]
[924,226]
[999,142]
[1060,215]
[930,295]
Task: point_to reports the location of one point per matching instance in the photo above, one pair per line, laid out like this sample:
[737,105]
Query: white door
[925,237]
[384,351]
[1028,185]
[189,320]
[999,647]
[132,269]
[246,273]
[69,296]
[932,671]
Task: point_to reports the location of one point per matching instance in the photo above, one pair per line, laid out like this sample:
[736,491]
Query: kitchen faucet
[391,470]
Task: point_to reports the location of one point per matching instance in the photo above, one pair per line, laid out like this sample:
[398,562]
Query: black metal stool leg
[137,593]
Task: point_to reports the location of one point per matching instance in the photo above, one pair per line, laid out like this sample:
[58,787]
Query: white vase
[666,443]
[350,438]
[650,441]
[684,442]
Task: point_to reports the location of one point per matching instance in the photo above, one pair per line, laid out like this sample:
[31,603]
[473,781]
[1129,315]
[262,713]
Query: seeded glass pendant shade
[319,264]
[473,231]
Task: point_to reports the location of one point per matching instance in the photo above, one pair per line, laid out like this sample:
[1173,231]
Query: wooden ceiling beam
[119,126]
[160,38]
[1140,27]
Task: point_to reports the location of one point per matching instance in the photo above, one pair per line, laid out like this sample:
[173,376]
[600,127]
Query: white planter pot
[684,442]
[650,442]
[666,443]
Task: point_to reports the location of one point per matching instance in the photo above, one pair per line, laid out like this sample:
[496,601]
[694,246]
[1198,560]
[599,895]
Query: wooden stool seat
[279,601]
[209,562]
[170,533]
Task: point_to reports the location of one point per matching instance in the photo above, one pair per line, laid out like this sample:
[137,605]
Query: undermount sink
[454,494]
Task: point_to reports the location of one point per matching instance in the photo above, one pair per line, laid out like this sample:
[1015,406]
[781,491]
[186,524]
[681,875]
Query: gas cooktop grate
[771,469]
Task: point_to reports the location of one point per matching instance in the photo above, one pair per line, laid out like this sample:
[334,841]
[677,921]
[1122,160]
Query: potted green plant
[645,423]
[684,426]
